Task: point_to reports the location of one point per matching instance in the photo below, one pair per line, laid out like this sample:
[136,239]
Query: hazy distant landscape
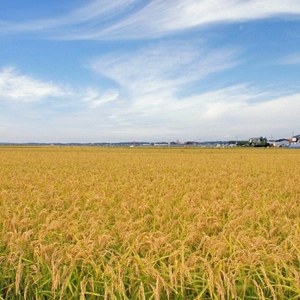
[293,142]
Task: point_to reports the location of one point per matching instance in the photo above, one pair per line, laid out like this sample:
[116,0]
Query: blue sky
[125,70]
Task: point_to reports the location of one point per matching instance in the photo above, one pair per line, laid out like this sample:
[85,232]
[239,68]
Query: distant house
[280,143]
[295,141]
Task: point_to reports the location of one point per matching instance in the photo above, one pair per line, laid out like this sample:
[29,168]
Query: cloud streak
[292,59]
[160,18]
[94,13]
[95,99]
[134,19]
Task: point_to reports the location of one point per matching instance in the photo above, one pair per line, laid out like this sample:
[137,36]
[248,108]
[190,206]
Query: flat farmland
[149,223]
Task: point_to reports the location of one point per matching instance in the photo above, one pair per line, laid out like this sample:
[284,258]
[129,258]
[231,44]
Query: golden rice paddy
[141,223]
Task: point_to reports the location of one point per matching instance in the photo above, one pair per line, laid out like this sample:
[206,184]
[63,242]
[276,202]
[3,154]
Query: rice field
[142,223]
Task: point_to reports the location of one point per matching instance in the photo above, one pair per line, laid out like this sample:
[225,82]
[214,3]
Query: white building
[280,143]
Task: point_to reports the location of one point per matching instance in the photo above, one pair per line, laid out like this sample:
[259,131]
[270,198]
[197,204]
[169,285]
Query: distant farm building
[279,143]
[295,141]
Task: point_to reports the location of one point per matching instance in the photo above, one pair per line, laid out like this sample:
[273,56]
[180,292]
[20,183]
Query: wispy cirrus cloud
[155,76]
[292,59]
[95,99]
[159,18]
[132,19]
[92,14]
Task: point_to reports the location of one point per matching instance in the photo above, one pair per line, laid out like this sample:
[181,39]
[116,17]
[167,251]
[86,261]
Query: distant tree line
[254,142]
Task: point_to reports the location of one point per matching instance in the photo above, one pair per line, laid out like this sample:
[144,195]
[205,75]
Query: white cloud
[18,87]
[123,19]
[279,115]
[159,18]
[35,110]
